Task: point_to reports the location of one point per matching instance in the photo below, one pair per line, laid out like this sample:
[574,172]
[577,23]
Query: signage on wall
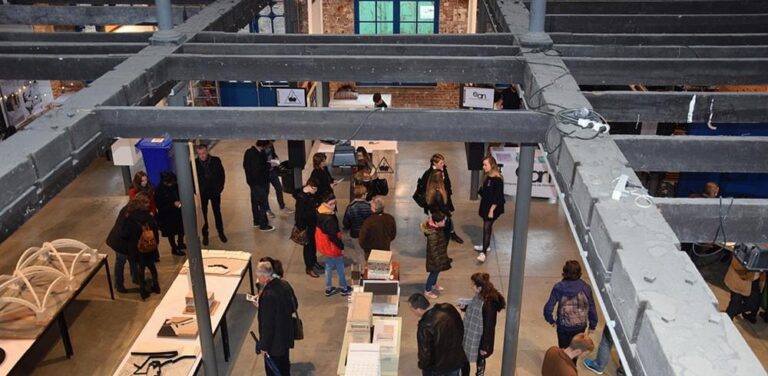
[426,12]
[542,185]
[477,97]
[291,97]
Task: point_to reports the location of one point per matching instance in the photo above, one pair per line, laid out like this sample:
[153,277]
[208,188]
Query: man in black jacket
[256,169]
[439,336]
[277,303]
[210,179]
[437,162]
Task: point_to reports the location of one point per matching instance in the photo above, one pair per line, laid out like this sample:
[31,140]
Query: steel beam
[657,23]
[341,49]
[107,2]
[661,39]
[70,48]
[655,7]
[86,15]
[675,106]
[734,154]
[696,220]
[668,72]
[72,37]
[57,67]
[344,68]
[667,52]
[467,39]
[301,124]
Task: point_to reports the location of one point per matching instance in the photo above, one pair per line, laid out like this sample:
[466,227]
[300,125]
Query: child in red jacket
[328,242]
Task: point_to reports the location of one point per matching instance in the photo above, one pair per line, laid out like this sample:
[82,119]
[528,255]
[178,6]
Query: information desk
[383,157]
[223,287]
[15,349]
[390,348]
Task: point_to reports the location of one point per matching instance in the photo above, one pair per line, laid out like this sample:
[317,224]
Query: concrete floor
[102,330]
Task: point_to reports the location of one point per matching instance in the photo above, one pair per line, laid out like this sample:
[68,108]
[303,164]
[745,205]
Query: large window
[396,16]
[270,20]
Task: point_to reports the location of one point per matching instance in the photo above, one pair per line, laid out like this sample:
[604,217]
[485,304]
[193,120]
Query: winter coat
[357,211]
[439,336]
[739,280]
[306,210]
[482,337]
[115,238]
[437,248]
[378,232]
[567,289]
[169,217]
[210,176]
[446,181]
[492,193]
[256,167]
[277,302]
[132,228]
[133,191]
[324,180]
[328,234]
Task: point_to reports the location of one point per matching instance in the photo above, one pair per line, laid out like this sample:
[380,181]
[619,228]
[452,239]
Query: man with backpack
[575,305]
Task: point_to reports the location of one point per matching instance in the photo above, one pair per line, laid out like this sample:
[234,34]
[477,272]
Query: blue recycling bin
[158,157]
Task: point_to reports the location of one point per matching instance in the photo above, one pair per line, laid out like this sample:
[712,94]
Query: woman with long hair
[321,174]
[436,194]
[480,321]
[141,184]
[491,202]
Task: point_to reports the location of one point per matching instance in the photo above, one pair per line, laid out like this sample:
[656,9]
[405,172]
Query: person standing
[328,241]
[141,184]
[437,259]
[277,303]
[306,219]
[124,251]
[575,305]
[322,175]
[424,192]
[274,179]
[257,175]
[491,203]
[378,102]
[480,322]
[357,212]
[561,361]
[379,230]
[141,233]
[169,212]
[745,287]
[603,355]
[210,180]
[439,336]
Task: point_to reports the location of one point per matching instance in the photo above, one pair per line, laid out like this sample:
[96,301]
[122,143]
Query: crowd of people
[447,342]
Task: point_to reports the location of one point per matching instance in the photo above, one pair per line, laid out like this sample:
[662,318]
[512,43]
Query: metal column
[164,14]
[517,263]
[536,37]
[196,273]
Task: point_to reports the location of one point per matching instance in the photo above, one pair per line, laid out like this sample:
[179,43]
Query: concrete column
[517,263]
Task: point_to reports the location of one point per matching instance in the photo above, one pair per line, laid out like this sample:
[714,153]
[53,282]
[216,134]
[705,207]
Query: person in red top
[328,242]
[559,362]
[141,184]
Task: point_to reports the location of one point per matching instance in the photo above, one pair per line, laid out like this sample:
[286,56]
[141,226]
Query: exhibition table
[390,348]
[15,349]
[223,287]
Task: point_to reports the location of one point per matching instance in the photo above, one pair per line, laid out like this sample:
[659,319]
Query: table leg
[109,279]
[225,337]
[250,276]
[65,335]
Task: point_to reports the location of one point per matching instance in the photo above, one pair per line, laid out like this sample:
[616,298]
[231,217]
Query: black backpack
[419,196]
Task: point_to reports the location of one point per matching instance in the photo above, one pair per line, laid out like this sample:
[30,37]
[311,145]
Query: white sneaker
[481,257]
[479,248]
[430,294]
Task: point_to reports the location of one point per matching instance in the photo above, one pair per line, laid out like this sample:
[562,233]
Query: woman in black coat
[321,174]
[124,251]
[306,218]
[491,202]
[169,212]
[136,219]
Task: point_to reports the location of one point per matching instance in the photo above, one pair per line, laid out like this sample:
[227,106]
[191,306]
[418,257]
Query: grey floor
[102,330]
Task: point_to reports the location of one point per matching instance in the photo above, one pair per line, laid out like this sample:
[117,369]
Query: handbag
[299,236]
[298,326]
[380,187]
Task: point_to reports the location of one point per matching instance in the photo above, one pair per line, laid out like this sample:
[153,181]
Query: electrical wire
[362,123]
[720,230]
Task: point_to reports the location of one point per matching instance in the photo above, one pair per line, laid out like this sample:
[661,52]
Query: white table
[224,289]
[390,353]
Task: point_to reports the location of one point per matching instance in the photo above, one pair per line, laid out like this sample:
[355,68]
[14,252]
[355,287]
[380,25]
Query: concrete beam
[696,220]
[340,49]
[87,15]
[57,67]
[70,48]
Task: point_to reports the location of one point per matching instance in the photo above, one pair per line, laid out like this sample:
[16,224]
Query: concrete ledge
[17,212]
[17,174]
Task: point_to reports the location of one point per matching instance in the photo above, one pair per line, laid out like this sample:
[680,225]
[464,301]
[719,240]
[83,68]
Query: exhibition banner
[543,184]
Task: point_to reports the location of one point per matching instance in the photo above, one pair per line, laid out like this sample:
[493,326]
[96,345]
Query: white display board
[291,97]
[477,97]
[543,183]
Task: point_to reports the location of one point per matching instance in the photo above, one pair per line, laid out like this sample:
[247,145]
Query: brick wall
[339,18]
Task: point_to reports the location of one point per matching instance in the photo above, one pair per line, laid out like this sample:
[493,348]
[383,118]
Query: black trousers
[216,206]
[564,337]
[283,364]
[147,261]
[310,251]
[465,370]
[746,305]
[259,205]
